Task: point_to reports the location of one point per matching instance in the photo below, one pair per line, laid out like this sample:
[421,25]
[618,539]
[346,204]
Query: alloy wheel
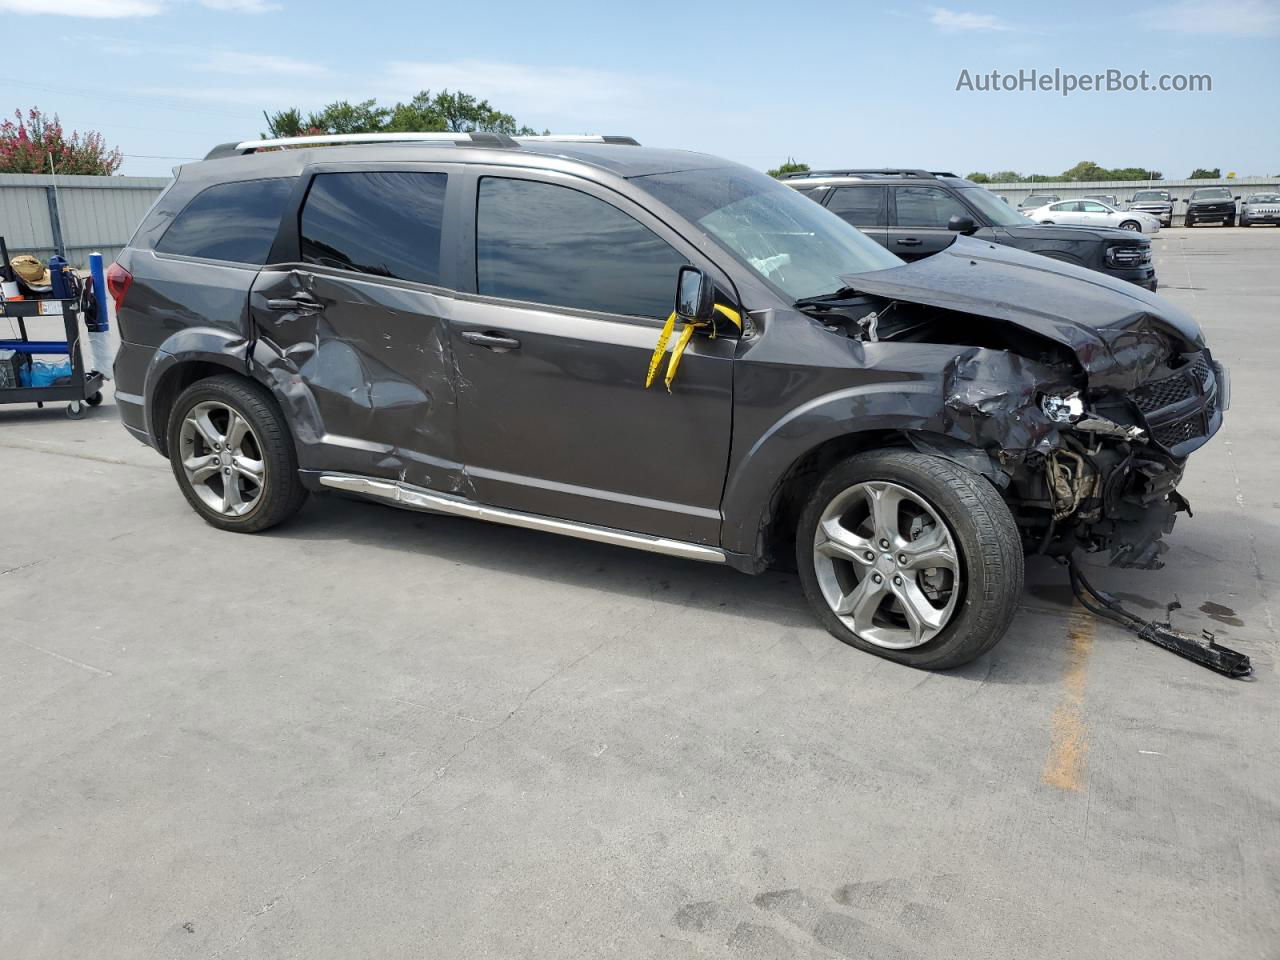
[887,565]
[222,458]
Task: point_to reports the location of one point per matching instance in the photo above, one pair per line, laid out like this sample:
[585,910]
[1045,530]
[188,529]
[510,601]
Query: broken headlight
[1062,407]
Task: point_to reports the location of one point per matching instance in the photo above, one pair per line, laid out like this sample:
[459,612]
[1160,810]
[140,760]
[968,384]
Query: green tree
[791,166]
[456,112]
[978,178]
[1200,173]
[38,141]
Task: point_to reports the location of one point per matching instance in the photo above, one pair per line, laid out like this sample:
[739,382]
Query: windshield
[1215,193]
[993,208]
[1039,200]
[1150,195]
[1265,198]
[800,247]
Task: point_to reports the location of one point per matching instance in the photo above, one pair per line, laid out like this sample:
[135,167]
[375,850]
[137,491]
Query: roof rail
[580,138]
[877,171]
[333,139]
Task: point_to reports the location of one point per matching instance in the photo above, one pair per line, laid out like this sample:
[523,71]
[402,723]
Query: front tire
[1131,225]
[232,455]
[910,557]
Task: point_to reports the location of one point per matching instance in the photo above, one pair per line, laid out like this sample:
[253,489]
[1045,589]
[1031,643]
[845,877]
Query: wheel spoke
[931,550]
[862,602]
[884,500]
[201,468]
[237,428]
[841,543]
[204,426]
[248,467]
[232,501]
[923,618]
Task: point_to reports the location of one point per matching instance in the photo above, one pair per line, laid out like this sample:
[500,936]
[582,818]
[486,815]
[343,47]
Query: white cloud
[1234,18]
[529,92]
[241,6]
[100,9]
[955,21]
[256,64]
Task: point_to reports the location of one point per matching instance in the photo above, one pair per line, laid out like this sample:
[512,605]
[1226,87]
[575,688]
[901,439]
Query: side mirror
[695,295]
[960,224]
[1237,198]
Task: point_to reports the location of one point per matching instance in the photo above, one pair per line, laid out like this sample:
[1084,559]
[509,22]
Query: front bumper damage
[1101,476]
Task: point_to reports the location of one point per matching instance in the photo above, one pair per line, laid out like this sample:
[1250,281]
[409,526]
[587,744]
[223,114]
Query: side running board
[419,498]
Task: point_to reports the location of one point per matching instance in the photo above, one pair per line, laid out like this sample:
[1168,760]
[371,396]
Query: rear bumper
[130,370]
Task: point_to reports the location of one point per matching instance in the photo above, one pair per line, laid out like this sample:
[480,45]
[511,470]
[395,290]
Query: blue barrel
[99,323]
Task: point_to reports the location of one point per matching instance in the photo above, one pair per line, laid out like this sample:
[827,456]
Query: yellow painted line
[1067,763]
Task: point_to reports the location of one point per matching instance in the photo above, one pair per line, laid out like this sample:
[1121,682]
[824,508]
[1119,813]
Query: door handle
[494,341]
[910,242]
[295,304]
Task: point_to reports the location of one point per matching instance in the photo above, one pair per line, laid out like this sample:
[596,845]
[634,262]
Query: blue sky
[831,84]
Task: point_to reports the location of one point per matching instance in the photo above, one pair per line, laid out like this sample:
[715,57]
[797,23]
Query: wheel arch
[766,488]
[184,358]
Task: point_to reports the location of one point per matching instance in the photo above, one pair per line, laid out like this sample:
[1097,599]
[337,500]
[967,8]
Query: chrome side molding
[419,498]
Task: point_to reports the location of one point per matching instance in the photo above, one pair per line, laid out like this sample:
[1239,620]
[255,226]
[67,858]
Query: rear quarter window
[234,221]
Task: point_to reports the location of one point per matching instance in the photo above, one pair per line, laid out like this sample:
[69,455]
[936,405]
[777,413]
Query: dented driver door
[352,334]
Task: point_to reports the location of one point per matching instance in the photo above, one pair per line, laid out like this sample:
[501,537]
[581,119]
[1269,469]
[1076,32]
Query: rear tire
[932,506]
[233,456]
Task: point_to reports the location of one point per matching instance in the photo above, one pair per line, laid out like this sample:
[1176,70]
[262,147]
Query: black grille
[1179,407]
[1180,431]
[1164,393]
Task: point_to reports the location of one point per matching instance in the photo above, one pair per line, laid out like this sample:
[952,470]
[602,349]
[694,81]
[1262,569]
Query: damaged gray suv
[465,325]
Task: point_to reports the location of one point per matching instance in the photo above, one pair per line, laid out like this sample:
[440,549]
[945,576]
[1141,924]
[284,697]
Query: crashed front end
[1084,396]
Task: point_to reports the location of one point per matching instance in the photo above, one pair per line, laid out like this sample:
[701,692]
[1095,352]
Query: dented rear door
[352,334]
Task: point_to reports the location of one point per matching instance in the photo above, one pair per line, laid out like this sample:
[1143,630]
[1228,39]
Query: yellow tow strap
[686,335]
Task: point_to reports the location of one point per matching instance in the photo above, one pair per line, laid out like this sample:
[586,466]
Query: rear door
[353,319]
[1068,211]
[864,206]
[918,218]
[572,284]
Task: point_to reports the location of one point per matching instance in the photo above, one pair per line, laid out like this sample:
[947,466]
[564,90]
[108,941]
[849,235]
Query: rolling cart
[84,388]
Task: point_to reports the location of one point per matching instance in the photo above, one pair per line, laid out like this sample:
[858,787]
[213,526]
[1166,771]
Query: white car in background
[1094,213]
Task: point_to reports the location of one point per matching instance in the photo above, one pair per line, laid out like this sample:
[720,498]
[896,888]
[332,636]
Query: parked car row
[466,324]
[1204,205]
[915,214]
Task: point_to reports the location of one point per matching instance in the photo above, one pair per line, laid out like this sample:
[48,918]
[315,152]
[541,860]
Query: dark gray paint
[381,382]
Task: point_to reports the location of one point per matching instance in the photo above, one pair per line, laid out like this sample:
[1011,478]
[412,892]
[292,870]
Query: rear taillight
[118,280]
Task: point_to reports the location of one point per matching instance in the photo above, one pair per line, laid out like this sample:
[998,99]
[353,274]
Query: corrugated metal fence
[40,214]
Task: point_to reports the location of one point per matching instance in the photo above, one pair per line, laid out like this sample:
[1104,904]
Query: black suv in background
[1211,205]
[468,325]
[916,213]
[1158,203]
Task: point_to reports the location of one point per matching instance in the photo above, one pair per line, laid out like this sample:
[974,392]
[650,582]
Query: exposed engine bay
[1085,425]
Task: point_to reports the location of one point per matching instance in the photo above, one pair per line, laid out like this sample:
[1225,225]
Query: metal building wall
[95,213]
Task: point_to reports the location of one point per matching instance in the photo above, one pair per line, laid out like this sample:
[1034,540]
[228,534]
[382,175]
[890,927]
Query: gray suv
[466,325]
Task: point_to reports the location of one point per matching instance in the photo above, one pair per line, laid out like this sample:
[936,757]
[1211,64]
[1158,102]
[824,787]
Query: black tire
[95,399]
[1229,222]
[986,538]
[282,493]
[1133,225]
[1188,222]
[76,409]
[1244,222]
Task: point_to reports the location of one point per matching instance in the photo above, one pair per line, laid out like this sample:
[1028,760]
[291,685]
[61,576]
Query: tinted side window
[927,207]
[385,224]
[555,245]
[231,221]
[860,206]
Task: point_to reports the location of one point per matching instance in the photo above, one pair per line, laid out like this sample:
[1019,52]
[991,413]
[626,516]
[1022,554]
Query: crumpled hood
[1117,330]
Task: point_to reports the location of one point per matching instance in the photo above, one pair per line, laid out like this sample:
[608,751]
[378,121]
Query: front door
[918,221]
[572,285]
[355,330]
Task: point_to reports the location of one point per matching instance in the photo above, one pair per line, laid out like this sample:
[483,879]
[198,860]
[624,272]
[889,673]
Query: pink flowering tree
[27,142]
